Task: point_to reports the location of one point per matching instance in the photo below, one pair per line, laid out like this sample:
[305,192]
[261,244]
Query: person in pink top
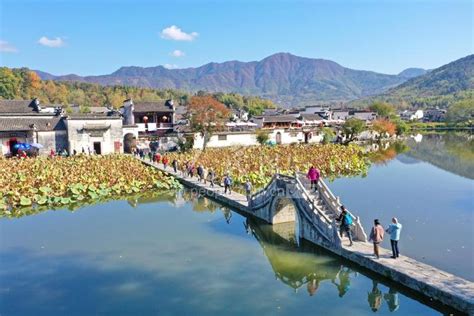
[313,175]
[376,236]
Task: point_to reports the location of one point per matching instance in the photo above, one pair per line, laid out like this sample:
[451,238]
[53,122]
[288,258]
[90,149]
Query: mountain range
[285,78]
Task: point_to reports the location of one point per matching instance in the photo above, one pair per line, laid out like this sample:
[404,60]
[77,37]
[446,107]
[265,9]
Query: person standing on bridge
[175,165]
[313,175]
[211,176]
[227,183]
[346,221]
[165,162]
[376,236]
[248,189]
[394,230]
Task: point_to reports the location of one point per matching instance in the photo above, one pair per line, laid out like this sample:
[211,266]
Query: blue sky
[97,37]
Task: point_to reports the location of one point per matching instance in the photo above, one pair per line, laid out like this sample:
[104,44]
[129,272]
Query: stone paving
[430,281]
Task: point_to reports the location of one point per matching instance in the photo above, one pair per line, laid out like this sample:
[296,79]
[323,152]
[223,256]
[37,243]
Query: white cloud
[174,33]
[6,47]
[51,42]
[170,66]
[177,53]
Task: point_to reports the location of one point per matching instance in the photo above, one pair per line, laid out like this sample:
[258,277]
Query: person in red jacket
[52,153]
[157,157]
[165,161]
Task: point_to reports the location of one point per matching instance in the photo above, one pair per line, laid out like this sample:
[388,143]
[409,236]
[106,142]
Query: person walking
[175,165]
[200,172]
[204,175]
[227,183]
[165,162]
[394,229]
[313,175]
[376,236]
[211,176]
[346,221]
[248,189]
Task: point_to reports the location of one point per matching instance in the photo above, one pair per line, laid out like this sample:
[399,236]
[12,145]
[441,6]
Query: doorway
[97,148]
[278,138]
[12,142]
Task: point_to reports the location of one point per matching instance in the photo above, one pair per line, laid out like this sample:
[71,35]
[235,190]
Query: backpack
[348,219]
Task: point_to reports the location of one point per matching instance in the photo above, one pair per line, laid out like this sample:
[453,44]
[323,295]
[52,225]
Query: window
[222,137]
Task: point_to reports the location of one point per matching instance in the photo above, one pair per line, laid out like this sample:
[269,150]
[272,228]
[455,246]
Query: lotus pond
[74,180]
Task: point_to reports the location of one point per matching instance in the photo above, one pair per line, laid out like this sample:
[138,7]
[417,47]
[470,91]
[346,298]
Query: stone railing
[334,204]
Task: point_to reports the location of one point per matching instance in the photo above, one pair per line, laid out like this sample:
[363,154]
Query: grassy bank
[66,181]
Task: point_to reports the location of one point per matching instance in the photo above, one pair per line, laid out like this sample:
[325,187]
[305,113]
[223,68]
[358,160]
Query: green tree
[352,127]
[262,136]
[461,111]
[383,109]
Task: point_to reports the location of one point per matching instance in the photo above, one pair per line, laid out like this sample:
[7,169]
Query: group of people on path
[189,169]
[376,233]
[345,219]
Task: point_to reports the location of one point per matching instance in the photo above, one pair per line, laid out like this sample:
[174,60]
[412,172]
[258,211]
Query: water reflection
[178,253]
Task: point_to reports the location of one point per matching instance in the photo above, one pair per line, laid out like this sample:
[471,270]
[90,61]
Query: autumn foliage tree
[207,115]
[383,126]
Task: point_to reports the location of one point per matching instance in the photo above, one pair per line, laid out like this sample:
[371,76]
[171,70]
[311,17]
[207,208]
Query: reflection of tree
[453,152]
[382,156]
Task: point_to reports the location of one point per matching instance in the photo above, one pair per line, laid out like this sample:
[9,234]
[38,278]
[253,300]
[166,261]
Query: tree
[328,135]
[383,109]
[352,127]
[207,115]
[461,111]
[384,126]
[262,137]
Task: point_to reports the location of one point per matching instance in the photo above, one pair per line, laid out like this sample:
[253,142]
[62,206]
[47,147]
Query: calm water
[177,254]
[430,189]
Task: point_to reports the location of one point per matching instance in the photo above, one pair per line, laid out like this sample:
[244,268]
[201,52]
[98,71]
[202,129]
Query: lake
[177,253]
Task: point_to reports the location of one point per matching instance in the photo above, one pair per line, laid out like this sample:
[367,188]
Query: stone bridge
[289,199]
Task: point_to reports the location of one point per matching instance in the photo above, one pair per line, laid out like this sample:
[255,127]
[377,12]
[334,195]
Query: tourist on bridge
[150,156]
[248,189]
[191,170]
[165,162]
[157,157]
[211,176]
[313,175]
[376,236]
[346,222]
[175,165]
[200,173]
[227,183]
[394,230]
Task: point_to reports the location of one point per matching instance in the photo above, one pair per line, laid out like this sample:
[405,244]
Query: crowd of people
[189,169]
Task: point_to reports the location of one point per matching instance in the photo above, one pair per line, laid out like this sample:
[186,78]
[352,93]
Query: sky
[97,37]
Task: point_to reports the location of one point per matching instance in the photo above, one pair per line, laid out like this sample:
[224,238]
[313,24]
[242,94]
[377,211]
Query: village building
[434,115]
[414,115]
[28,121]
[151,118]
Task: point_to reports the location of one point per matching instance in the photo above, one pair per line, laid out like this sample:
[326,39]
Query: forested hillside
[441,87]
[26,84]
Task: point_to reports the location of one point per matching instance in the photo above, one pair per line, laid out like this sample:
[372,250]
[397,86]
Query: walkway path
[425,279]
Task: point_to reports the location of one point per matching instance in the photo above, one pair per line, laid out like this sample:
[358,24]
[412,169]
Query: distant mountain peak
[286,78]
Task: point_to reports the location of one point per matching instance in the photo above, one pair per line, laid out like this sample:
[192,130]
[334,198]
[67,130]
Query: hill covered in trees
[26,84]
[441,87]
[284,78]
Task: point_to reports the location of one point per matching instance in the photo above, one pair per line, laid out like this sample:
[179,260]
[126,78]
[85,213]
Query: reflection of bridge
[286,199]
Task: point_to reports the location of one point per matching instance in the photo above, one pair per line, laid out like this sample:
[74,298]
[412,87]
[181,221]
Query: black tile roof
[312,117]
[161,106]
[26,124]
[279,118]
[23,107]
